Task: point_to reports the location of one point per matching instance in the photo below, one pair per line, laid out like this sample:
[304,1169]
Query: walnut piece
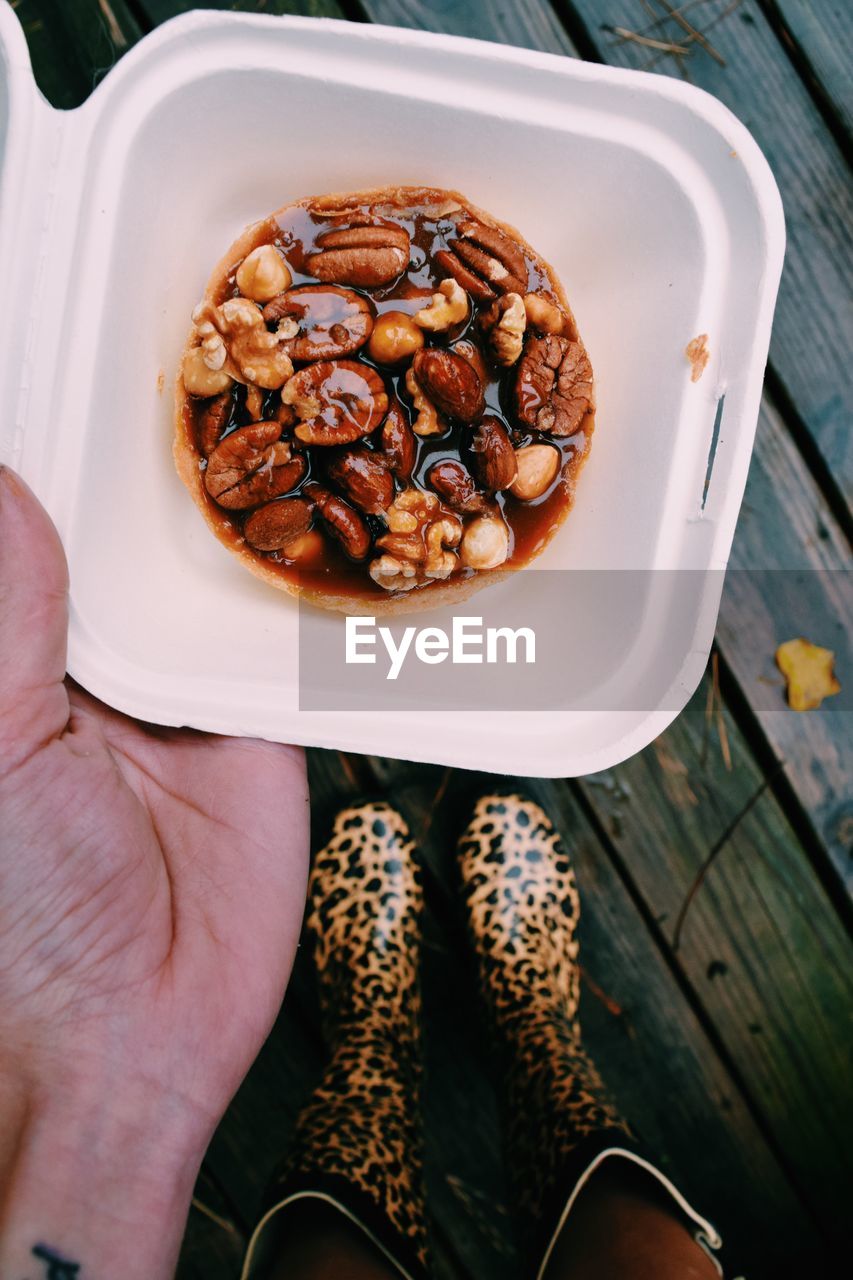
[451,382]
[446,308]
[338,401]
[484,261]
[418,545]
[328,322]
[199,378]
[365,253]
[505,322]
[554,385]
[235,340]
[428,421]
[263,273]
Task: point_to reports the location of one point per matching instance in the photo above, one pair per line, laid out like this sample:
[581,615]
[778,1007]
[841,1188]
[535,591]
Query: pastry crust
[187,457]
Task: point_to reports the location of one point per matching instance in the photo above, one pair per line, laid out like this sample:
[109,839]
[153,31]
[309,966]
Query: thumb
[33,623]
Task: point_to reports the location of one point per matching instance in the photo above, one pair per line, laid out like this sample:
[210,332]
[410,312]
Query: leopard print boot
[523,907]
[358,1142]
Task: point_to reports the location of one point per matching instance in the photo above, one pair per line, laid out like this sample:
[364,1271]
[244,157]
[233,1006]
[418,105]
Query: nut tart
[384,402]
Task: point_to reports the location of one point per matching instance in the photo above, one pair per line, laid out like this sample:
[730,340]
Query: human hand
[152,884]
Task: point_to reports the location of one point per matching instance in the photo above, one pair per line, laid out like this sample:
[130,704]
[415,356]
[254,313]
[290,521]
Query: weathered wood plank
[159,10]
[784,507]
[811,337]
[761,946]
[665,1074]
[786,526]
[820,36]
[532,25]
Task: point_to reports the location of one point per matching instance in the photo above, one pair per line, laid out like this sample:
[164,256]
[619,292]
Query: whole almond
[451,383]
[271,527]
[494,457]
[365,479]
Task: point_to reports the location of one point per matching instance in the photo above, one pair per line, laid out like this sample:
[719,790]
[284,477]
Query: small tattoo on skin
[58,1268]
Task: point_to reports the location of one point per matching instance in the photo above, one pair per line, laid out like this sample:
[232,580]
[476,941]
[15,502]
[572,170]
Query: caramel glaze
[531,524]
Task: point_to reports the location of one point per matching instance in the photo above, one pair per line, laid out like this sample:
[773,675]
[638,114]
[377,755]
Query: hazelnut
[263,274]
[543,314]
[537,466]
[199,378]
[305,547]
[485,543]
[395,337]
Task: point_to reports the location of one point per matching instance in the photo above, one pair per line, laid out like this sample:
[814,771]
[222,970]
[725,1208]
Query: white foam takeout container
[651,200]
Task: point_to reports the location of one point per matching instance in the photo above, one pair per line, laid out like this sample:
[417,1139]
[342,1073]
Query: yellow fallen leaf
[808,671]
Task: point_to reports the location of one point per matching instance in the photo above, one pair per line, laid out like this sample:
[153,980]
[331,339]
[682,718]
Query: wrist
[101,1172]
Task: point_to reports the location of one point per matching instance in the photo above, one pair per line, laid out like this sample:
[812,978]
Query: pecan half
[364,478]
[456,486]
[338,401]
[553,387]
[494,457]
[331,321]
[252,465]
[484,261]
[365,253]
[399,445]
[451,383]
[341,521]
[272,527]
[213,421]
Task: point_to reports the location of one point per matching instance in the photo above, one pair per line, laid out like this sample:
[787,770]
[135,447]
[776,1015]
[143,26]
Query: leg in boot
[523,909]
[358,1147]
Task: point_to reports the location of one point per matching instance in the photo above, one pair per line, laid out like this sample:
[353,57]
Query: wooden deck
[715,866]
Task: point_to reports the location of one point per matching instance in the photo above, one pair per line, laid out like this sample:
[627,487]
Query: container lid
[657,211]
